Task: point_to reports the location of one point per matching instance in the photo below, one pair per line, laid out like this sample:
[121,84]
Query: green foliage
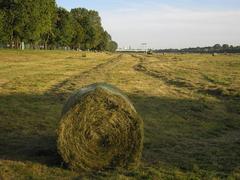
[217,48]
[112,46]
[27,20]
[12,19]
[47,17]
[1,27]
[88,31]
[63,28]
[41,23]
[225,46]
[106,43]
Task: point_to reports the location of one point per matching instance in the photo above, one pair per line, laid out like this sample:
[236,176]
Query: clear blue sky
[167,24]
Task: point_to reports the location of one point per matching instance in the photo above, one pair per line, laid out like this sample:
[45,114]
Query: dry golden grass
[189,104]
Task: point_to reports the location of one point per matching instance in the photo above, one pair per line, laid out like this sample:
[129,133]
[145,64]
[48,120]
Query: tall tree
[41,22]
[225,46]
[95,29]
[112,46]
[13,20]
[104,41]
[48,12]
[89,37]
[27,20]
[63,28]
[2,35]
[78,29]
[217,46]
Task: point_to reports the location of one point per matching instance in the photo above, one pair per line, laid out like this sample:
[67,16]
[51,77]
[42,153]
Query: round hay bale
[100,130]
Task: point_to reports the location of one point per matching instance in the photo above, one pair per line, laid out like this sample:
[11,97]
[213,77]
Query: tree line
[42,24]
[217,48]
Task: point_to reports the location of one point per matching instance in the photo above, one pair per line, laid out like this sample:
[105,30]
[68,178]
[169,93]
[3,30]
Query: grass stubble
[189,104]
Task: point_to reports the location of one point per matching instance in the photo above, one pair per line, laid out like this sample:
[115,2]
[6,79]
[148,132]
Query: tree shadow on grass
[188,133]
[28,128]
[181,133]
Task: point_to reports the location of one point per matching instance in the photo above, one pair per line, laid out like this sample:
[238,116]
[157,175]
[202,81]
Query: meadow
[190,104]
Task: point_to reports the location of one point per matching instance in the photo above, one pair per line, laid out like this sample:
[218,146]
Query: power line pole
[144,45]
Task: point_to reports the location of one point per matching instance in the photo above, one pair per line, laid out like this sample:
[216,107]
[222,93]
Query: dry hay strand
[100,130]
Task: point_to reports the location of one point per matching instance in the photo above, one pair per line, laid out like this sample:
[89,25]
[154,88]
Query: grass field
[190,105]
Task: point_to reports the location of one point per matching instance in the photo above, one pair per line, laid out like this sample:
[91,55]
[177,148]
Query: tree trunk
[45,45]
[11,44]
[15,44]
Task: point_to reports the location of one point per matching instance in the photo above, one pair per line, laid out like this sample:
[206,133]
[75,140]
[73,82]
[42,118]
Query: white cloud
[166,26]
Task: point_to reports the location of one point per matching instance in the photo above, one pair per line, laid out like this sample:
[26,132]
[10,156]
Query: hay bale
[99,130]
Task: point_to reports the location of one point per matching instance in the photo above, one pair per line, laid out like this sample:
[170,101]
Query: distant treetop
[217,48]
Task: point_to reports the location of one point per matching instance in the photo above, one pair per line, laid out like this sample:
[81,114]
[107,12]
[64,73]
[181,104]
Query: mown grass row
[190,131]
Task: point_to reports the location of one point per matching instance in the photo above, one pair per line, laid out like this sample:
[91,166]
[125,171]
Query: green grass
[190,105]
